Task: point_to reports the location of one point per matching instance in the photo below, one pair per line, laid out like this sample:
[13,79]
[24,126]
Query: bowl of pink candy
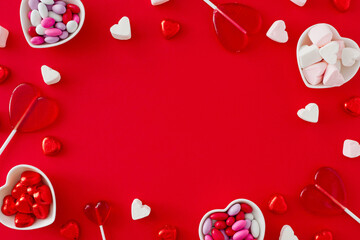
[50,23]
[326,59]
[240,220]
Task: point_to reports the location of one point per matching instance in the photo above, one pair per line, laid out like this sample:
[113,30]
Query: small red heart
[51,146]
[98,213]
[277,204]
[29,178]
[32,189]
[8,208]
[169,28]
[43,195]
[40,211]
[342,5]
[4,73]
[324,235]
[167,233]
[18,190]
[352,106]
[24,203]
[24,220]
[70,230]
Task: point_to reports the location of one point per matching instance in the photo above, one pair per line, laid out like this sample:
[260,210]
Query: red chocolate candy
[169,28]
[40,211]
[24,203]
[73,8]
[324,235]
[220,225]
[246,208]
[18,190]
[8,208]
[4,73]
[277,204]
[70,230]
[24,220]
[230,221]
[229,232]
[352,106]
[216,234]
[51,146]
[67,16]
[219,216]
[32,189]
[43,195]
[29,178]
[167,233]
[342,5]
[240,216]
[32,31]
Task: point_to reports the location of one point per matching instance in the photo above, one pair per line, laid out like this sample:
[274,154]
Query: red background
[181,124]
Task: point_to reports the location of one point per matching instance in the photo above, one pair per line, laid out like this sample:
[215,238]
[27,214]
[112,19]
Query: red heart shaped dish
[316,201]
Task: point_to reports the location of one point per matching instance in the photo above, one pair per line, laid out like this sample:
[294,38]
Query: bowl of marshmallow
[326,59]
[50,23]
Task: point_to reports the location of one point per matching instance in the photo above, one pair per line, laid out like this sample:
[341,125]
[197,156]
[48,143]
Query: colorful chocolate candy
[52,21]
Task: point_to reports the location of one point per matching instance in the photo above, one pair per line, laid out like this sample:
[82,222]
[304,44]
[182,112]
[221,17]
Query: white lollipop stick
[102,232]
[8,139]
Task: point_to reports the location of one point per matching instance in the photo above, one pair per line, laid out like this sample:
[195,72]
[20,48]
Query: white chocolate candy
[47,2]
[249,216]
[122,30]
[309,55]
[255,228]
[333,77]
[35,18]
[351,148]
[40,29]
[44,12]
[314,73]
[71,26]
[55,16]
[320,35]
[299,2]
[287,233]
[329,52]
[310,113]
[138,210]
[277,32]
[50,76]
[158,2]
[349,56]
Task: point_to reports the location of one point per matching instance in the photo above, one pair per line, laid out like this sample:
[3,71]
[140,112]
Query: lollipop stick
[11,135]
[351,214]
[213,6]
[102,232]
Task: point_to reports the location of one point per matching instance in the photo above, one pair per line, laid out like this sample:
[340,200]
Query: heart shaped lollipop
[98,213]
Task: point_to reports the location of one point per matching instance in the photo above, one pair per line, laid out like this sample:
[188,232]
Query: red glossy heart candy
[70,230]
[24,220]
[230,36]
[98,213]
[40,211]
[277,204]
[8,208]
[4,73]
[315,201]
[43,195]
[24,203]
[18,190]
[29,178]
[29,111]
[324,235]
[32,189]
[51,146]
[167,233]
[352,106]
[342,5]
[169,28]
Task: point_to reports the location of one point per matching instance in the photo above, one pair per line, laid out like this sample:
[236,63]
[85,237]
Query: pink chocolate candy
[37,40]
[249,237]
[47,22]
[240,235]
[76,18]
[208,237]
[53,32]
[238,225]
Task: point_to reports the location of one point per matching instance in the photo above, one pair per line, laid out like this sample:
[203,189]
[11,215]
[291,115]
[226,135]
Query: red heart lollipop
[98,213]
[317,202]
[352,106]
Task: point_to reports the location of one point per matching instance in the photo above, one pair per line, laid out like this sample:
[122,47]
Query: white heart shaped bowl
[25,23]
[256,212]
[12,178]
[347,72]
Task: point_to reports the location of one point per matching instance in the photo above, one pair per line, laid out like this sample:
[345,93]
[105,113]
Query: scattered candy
[287,233]
[51,146]
[351,148]
[138,210]
[158,2]
[300,3]
[342,5]
[70,230]
[333,77]
[310,113]
[50,75]
[169,28]
[320,35]
[277,32]
[329,52]
[324,235]
[98,213]
[167,233]
[122,30]
[314,73]
[349,56]
[4,33]
[351,106]
[4,73]
[277,204]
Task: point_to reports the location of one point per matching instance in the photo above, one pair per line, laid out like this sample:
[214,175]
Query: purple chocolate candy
[53,32]
[52,39]
[59,9]
[64,35]
[60,2]
[60,25]
[33,4]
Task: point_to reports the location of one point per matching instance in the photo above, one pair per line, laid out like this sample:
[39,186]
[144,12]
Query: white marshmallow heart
[299,2]
[277,32]
[310,113]
[329,52]
[50,76]
[138,210]
[158,2]
[351,148]
[314,73]
[122,30]
[4,33]
[308,55]
[333,77]
[287,233]
[349,56]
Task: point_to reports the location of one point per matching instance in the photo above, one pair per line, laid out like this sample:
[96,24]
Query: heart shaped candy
[50,75]
[351,148]
[4,73]
[167,233]
[350,56]
[24,220]
[8,208]
[324,235]
[287,233]
[24,204]
[315,201]
[169,28]
[310,113]
[277,32]
[70,230]
[277,204]
[51,146]
[352,106]
[138,210]
[97,213]
[122,30]
[342,5]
